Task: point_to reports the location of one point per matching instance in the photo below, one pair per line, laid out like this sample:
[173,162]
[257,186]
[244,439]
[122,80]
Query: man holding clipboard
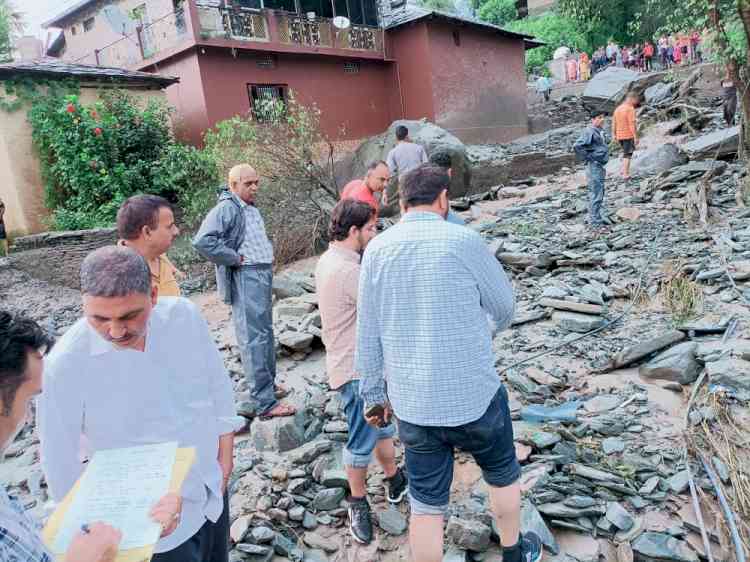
[133,373]
[23,344]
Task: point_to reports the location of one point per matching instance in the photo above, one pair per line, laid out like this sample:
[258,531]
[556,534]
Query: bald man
[233,237]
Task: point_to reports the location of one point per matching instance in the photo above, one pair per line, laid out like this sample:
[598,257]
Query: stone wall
[56,257]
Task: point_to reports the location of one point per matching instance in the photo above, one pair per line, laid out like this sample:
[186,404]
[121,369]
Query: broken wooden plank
[571,306]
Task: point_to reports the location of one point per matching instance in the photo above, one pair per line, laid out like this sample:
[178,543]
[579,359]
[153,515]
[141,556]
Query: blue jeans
[429,455]
[362,436]
[595,174]
[253,326]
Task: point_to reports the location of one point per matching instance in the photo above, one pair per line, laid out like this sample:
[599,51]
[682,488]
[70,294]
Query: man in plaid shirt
[425,289]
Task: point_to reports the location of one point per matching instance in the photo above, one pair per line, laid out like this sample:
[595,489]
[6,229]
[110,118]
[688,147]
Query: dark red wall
[187,97]
[357,102]
[409,47]
[479,85]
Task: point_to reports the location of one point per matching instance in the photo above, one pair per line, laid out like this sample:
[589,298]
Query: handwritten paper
[119,487]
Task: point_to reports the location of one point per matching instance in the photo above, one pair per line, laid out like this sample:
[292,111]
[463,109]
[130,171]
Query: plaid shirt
[425,290]
[256,247]
[19,535]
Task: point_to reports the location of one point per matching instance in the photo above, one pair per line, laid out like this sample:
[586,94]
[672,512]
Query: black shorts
[628,147]
[3,234]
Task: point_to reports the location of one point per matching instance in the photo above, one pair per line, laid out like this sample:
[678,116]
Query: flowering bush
[95,156]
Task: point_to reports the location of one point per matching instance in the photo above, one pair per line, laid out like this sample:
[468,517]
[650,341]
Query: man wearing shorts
[425,329]
[625,131]
[353,225]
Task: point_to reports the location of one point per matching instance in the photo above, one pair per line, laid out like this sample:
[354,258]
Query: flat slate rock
[723,142]
[657,547]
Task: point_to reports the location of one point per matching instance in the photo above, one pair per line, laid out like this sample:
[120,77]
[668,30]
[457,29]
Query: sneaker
[531,547]
[398,485]
[360,522]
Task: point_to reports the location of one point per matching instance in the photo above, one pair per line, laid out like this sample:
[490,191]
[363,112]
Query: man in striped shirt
[424,289]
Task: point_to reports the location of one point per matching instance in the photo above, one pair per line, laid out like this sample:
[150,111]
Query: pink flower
[71,108]
[98,132]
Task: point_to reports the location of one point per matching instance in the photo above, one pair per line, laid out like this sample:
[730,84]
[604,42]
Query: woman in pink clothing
[572,69]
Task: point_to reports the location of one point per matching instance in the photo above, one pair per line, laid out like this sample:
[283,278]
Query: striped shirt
[19,535]
[424,289]
[256,248]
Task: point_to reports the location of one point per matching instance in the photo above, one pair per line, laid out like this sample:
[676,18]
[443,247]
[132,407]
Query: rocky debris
[651,547]
[607,89]
[392,522]
[575,322]
[469,535]
[677,364]
[719,144]
[658,93]
[635,353]
[658,159]
[731,374]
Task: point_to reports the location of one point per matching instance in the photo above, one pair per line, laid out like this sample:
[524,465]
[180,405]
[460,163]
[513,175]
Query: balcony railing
[229,23]
[153,38]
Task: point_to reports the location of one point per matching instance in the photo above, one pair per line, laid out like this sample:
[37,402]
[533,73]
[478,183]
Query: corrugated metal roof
[60,18]
[56,68]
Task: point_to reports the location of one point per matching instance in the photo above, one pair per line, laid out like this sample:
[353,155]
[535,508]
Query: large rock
[658,93]
[575,322]
[531,520]
[309,451]
[677,364]
[733,374]
[280,434]
[429,135]
[470,535]
[607,89]
[721,143]
[658,159]
[653,547]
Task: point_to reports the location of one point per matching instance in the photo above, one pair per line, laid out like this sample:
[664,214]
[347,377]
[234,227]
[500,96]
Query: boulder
[607,89]
[658,93]
[721,143]
[575,322]
[658,159]
[429,135]
[660,546]
[733,374]
[677,364]
[470,535]
[285,287]
[280,434]
[296,341]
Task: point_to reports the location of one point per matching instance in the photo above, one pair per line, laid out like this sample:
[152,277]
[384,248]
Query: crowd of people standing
[663,53]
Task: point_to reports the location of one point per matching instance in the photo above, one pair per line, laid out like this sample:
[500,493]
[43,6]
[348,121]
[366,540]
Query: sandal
[279,411]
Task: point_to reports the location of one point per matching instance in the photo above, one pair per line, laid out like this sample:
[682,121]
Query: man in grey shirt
[406,155]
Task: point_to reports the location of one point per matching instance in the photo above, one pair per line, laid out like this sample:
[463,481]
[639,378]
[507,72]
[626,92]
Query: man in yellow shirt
[146,224]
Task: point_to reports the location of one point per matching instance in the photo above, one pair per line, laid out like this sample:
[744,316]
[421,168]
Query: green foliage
[193,175]
[440,5]
[601,21]
[11,27]
[94,156]
[555,30]
[498,12]
[294,159]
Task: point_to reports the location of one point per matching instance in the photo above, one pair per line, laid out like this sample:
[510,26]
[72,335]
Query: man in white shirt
[132,372]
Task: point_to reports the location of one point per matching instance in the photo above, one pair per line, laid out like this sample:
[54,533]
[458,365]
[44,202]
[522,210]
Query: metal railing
[301,30]
[232,23]
[148,39]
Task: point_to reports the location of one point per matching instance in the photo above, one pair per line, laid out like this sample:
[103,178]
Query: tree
[555,30]
[11,27]
[601,21]
[498,12]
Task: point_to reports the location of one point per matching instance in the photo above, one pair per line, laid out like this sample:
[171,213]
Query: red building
[390,62]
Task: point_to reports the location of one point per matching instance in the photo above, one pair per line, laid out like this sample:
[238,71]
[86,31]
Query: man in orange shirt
[625,131]
[375,180]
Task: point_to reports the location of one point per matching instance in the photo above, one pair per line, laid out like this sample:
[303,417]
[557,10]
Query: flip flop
[279,411]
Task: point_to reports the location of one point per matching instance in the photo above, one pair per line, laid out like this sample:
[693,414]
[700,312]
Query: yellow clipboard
[184,460]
